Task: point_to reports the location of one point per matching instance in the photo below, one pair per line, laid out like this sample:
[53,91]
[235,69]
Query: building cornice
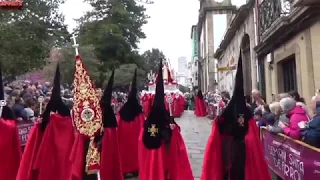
[286,28]
[211,6]
[237,21]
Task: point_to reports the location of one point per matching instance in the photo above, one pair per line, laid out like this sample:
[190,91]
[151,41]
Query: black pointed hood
[131,109]
[108,117]
[199,94]
[156,127]
[234,118]
[55,103]
[7,113]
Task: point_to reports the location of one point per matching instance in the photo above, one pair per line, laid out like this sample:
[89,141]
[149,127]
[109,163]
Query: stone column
[210,51]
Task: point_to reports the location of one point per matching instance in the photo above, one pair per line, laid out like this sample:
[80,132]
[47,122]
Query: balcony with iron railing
[272,12]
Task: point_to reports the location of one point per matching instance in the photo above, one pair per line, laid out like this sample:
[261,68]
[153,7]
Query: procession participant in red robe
[200,110]
[130,122]
[146,104]
[162,154]
[10,149]
[234,150]
[166,103]
[51,160]
[178,105]
[110,162]
[87,117]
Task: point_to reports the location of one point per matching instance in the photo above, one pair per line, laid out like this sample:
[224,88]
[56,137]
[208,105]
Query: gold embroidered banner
[87,114]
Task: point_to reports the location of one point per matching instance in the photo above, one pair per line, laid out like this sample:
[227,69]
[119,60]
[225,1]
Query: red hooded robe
[130,122]
[200,109]
[234,151]
[10,150]
[49,145]
[110,163]
[162,153]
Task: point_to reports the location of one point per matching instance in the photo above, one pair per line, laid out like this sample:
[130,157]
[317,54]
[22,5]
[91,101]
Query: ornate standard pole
[169,100]
[75,45]
[151,76]
[2,104]
[41,100]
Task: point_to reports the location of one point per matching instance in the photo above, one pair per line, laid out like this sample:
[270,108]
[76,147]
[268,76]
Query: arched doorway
[246,63]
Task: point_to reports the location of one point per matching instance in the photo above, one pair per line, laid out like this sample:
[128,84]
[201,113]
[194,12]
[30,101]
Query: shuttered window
[289,75]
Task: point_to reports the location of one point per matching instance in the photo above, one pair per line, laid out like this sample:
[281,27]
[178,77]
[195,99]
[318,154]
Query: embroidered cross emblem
[241,120]
[153,130]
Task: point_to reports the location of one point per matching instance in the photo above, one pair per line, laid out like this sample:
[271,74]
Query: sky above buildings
[169,26]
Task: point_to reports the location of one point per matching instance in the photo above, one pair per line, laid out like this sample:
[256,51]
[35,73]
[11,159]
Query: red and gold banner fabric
[87,114]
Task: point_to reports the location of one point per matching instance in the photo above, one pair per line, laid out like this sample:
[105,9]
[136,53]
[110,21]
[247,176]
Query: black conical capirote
[234,121]
[55,103]
[1,85]
[131,109]
[108,117]
[158,102]
[158,118]
[199,94]
[7,113]
[107,93]
[236,109]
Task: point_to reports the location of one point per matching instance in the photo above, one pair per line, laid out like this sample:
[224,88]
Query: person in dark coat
[311,131]
[18,109]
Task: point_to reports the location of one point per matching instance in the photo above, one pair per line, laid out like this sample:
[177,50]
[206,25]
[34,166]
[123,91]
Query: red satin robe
[128,135]
[53,158]
[178,106]
[110,163]
[255,166]
[146,104]
[154,164]
[200,109]
[26,170]
[10,150]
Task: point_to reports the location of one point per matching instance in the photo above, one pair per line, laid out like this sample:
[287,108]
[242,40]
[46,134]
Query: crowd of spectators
[23,98]
[288,114]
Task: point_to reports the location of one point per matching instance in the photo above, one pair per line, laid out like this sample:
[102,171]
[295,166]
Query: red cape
[52,161]
[181,169]
[110,163]
[128,135]
[10,150]
[153,164]
[76,157]
[255,168]
[26,171]
[200,109]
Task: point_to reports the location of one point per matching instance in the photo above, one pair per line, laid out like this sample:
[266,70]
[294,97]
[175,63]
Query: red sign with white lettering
[11,4]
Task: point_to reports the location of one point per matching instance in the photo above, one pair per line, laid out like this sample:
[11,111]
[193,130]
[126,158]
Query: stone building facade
[240,35]
[288,49]
[206,62]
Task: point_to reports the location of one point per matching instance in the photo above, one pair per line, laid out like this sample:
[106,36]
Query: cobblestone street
[195,132]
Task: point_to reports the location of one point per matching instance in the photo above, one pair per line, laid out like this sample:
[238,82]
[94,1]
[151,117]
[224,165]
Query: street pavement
[195,132]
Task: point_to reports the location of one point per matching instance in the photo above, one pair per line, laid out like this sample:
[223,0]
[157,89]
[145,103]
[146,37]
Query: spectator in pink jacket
[295,114]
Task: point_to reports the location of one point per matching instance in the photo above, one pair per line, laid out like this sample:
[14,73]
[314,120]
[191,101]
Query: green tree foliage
[114,29]
[67,62]
[28,35]
[124,74]
[152,59]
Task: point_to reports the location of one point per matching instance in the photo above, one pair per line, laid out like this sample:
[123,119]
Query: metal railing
[272,10]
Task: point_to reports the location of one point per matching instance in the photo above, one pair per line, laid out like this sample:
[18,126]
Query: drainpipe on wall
[257,36]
